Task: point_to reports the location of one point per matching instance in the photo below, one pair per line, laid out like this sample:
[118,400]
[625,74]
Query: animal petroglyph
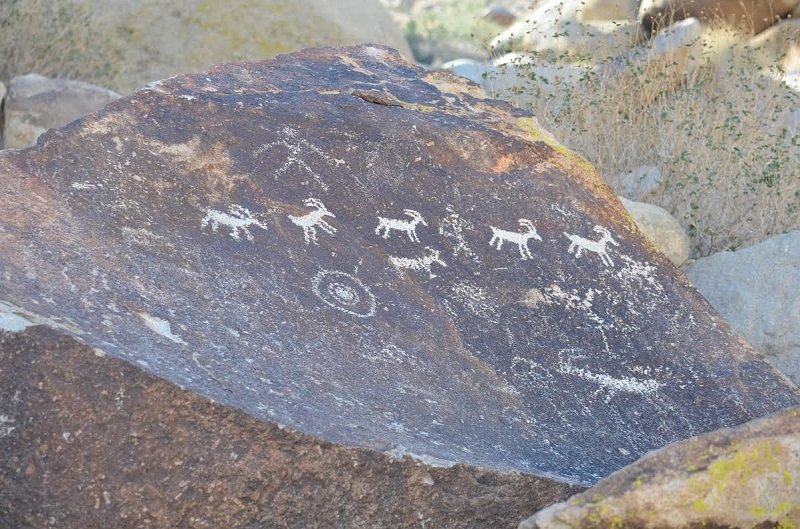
[296,149]
[408,226]
[311,221]
[579,244]
[345,293]
[519,238]
[238,219]
[419,263]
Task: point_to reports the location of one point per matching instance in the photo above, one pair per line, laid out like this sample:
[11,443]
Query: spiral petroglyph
[345,293]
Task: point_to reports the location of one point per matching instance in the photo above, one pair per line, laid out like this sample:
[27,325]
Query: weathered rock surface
[36,103]
[375,256]
[757,290]
[735,478]
[660,228]
[88,441]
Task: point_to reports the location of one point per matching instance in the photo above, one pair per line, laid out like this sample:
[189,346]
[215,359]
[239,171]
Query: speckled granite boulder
[372,255]
[741,477]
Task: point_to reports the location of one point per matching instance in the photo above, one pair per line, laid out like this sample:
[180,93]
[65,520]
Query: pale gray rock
[36,103]
[641,181]
[757,290]
[661,229]
[560,28]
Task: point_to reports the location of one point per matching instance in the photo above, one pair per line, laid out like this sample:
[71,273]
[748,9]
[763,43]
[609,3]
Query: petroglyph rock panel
[333,240]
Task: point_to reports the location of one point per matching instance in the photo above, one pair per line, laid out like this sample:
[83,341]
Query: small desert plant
[56,38]
[719,132]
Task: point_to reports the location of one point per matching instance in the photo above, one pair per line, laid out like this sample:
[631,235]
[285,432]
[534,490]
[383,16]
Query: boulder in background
[35,103]
[757,290]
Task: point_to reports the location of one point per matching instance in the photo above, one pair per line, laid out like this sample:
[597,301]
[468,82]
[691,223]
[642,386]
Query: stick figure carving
[238,219]
[297,151]
[579,244]
[519,238]
[408,226]
[311,221]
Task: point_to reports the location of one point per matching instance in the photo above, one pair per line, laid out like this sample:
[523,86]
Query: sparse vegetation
[721,137]
[30,31]
[724,136]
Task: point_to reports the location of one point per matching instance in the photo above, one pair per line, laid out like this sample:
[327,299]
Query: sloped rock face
[737,477]
[377,257]
[88,441]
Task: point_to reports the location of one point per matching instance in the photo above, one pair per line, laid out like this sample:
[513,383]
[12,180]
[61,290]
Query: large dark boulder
[371,255]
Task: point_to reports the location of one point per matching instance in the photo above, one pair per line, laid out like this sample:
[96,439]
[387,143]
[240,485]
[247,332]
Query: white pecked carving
[579,244]
[311,221]
[519,238]
[345,293]
[419,263]
[238,219]
[296,154]
[408,226]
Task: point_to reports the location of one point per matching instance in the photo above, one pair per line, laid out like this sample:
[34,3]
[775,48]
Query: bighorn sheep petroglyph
[419,263]
[579,244]
[238,219]
[409,226]
[311,221]
[519,238]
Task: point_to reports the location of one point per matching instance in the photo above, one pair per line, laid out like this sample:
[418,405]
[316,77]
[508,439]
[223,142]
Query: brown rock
[88,441]
[742,477]
[377,257]
[749,16]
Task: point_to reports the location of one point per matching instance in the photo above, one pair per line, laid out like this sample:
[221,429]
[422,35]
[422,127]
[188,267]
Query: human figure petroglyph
[311,221]
[453,228]
[519,238]
[238,219]
[408,226]
[419,263]
[295,150]
[579,244]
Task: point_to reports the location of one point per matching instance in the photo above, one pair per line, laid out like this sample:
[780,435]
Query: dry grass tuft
[32,30]
[721,137]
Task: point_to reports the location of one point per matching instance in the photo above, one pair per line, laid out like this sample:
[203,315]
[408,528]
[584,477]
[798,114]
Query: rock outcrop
[366,253]
[739,478]
[36,103]
[660,228]
[93,442]
[756,290]
[749,16]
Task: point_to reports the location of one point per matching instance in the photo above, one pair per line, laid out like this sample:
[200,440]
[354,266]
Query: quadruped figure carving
[419,263]
[311,221]
[579,244]
[519,238]
[408,226]
[238,219]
